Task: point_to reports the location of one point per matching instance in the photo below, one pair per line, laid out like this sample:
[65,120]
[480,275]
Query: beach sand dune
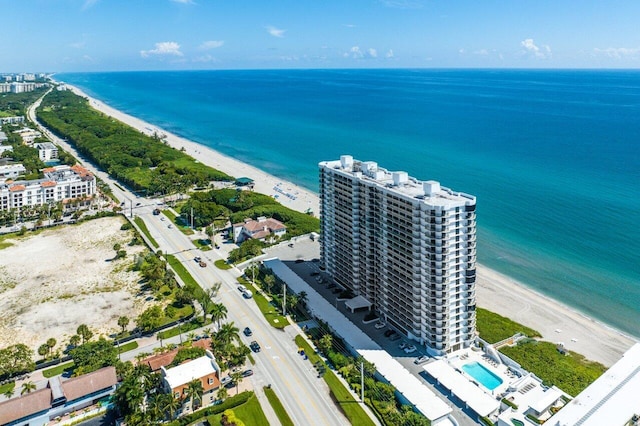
[495,292]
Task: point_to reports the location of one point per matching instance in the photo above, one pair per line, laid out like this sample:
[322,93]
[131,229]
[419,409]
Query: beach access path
[495,292]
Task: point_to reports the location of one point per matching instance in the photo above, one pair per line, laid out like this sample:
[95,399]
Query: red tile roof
[48,184]
[162,360]
[16,188]
[25,405]
[80,386]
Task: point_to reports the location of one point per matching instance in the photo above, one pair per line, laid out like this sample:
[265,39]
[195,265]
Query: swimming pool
[485,377]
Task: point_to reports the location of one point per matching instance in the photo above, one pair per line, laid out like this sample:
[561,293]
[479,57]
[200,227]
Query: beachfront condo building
[407,246]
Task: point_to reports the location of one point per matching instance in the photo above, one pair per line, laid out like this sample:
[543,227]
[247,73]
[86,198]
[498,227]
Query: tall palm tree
[218,313]
[222,393]
[303,298]
[228,333]
[236,376]
[194,392]
[27,387]
[171,405]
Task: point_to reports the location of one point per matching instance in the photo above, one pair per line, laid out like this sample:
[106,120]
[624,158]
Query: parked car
[170,226]
[197,259]
[299,260]
[315,273]
[395,337]
[380,325]
[403,345]
[247,294]
[225,380]
[421,359]
[389,333]
[202,264]
[255,346]
[242,288]
[410,349]
[247,373]
[247,331]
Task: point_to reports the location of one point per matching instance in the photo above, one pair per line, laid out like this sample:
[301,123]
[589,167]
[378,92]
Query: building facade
[60,183]
[407,246]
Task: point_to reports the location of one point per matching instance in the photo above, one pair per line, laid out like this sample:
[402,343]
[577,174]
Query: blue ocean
[553,156]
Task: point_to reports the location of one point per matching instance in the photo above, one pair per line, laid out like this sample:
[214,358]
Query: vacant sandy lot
[54,281]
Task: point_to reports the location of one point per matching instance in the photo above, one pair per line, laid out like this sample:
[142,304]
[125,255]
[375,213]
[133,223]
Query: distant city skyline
[120,35]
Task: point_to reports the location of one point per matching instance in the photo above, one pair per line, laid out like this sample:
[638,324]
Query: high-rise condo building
[407,246]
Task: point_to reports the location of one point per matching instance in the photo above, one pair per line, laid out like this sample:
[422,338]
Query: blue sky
[112,35]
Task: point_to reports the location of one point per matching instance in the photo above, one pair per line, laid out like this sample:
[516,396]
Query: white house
[47,151]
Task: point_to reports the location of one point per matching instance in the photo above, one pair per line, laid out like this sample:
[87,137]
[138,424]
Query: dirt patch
[54,281]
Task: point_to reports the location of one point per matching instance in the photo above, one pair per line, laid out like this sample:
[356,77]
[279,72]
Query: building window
[210,380]
[177,395]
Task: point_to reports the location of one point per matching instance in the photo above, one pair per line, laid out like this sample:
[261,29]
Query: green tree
[194,392]
[43,350]
[10,391]
[222,393]
[171,405]
[123,322]
[51,343]
[150,319]
[269,281]
[325,343]
[16,359]
[84,332]
[74,340]
[92,356]
[28,387]
[228,333]
[236,376]
[218,313]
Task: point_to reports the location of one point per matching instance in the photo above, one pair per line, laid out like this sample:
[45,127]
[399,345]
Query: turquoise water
[485,377]
[553,156]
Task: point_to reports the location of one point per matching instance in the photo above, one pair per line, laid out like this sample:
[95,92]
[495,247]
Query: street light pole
[284,299]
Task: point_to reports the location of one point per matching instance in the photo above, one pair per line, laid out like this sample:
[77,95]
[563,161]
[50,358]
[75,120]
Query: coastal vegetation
[15,104]
[145,163]
[493,327]
[571,372]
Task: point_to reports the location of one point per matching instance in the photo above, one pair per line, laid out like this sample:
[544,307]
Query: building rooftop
[191,370]
[400,182]
[162,360]
[611,400]
[25,405]
[80,386]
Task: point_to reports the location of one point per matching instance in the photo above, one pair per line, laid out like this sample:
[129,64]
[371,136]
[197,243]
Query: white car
[403,345]
[421,359]
[410,349]
[380,325]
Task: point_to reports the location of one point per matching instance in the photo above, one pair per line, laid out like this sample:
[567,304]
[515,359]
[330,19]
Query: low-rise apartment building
[60,183]
[262,229]
[47,151]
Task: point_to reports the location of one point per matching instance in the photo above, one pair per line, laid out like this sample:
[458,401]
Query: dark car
[313,274]
[255,346]
[299,260]
[247,373]
[389,333]
[197,259]
[247,331]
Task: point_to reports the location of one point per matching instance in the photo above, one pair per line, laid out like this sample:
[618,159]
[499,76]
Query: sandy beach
[495,292]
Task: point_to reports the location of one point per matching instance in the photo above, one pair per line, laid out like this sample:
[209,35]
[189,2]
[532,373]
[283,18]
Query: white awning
[357,303]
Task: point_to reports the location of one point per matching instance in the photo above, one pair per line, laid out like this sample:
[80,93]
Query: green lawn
[58,369]
[351,408]
[278,407]
[269,312]
[494,328]
[250,413]
[128,346]
[572,372]
[145,231]
[183,328]
[222,264]
[186,277]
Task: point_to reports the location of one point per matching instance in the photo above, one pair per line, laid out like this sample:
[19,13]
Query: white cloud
[349,25]
[276,32]
[206,59]
[530,49]
[183,1]
[482,52]
[618,52]
[163,48]
[211,44]
[462,51]
[78,44]
[356,53]
[389,54]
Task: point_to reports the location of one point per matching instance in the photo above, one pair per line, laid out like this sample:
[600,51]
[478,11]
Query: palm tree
[325,343]
[123,322]
[228,333]
[51,342]
[236,376]
[269,282]
[222,392]
[27,387]
[171,405]
[9,392]
[84,332]
[218,313]
[194,392]
[303,298]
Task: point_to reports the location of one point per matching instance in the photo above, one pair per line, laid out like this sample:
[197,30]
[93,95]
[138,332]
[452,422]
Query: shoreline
[495,291]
